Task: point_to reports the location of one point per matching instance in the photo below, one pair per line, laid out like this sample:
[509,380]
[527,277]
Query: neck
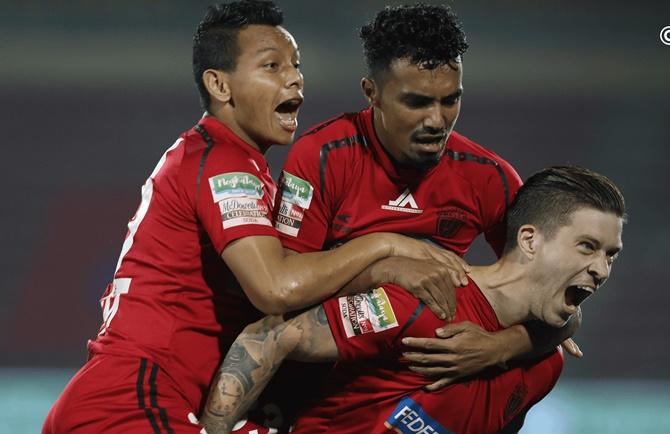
[225,116]
[508,289]
[380,131]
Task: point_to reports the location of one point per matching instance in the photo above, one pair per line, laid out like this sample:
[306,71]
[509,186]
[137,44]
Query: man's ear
[217,84]
[528,240]
[370,91]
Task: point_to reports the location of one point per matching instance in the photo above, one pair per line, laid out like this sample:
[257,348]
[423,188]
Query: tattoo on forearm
[320,314]
[239,365]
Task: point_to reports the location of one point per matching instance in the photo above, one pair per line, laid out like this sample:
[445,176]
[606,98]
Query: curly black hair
[215,39]
[425,34]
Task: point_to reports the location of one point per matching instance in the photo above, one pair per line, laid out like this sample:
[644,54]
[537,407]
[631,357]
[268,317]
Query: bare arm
[277,283]
[254,358]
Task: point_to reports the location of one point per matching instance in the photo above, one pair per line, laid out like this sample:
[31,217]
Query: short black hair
[427,35]
[215,40]
[549,197]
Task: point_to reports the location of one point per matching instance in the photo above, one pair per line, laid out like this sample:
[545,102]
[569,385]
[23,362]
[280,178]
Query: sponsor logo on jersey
[235,184]
[449,221]
[404,203]
[409,418]
[296,195]
[367,313]
[236,211]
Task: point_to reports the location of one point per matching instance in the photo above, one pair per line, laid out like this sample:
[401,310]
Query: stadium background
[94,92]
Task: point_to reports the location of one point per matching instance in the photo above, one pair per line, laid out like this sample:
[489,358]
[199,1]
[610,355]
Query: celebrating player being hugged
[201,258]
[563,234]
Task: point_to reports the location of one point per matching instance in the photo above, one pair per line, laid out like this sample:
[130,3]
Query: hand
[416,249]
[427,280]
[572,348]
[462,349]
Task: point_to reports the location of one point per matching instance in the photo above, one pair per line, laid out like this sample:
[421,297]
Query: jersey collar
[221,133]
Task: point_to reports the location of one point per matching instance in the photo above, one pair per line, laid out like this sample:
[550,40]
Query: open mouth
[287,112]
[576,294]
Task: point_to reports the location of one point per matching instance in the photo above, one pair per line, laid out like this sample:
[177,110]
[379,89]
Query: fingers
[439,384]
[451,330]
[431,344]
[438,294]
[572,348]
[457,266]
[429,295]
[434,371]
[444,360]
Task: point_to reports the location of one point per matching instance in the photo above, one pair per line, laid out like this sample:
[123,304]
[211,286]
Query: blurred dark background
[94,92]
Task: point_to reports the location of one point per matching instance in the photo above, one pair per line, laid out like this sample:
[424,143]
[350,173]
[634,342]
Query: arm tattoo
[254,358]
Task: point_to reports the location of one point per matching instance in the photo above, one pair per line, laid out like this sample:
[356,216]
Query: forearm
[254,358]
[535,339]
[277,283]
[249,365]
[313,277]
[369,278]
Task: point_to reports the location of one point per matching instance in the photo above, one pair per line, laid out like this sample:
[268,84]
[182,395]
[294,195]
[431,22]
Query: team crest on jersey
[404,203]
[409,418]
[367,313]
[450,221]
[235,184]
[296,195]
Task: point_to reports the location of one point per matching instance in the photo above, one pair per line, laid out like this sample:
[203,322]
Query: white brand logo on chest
[404,203]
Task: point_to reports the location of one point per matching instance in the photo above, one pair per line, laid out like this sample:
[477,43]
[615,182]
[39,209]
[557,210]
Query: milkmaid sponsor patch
[239,196]
[367,313]
[296,195]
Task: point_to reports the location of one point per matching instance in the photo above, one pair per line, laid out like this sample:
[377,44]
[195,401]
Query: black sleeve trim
[336,144]
[464,156]
[209,145]
[410,321]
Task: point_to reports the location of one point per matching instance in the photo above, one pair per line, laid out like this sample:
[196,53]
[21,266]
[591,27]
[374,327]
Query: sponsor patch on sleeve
[367,313]
[296,195]
[240,199]
[409,418]
[235,184]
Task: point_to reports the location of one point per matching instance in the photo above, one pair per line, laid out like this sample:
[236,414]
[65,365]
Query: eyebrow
[611,252]
[420,97]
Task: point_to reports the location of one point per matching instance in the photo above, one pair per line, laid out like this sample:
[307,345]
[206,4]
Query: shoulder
[479,164]
[342,131]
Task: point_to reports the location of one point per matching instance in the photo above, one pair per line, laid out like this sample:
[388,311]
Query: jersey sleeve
[498,195]
[371,325]
[232,202]
[302,215]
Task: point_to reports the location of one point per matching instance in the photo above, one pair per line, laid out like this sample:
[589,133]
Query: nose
[294,78]
[599,269]
[435,118]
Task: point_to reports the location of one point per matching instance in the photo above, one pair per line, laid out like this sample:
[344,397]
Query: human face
[415,110]
[573,263]
[265,87]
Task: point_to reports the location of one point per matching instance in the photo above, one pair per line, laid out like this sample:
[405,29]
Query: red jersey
[173,300]
[373,396]
[339,183]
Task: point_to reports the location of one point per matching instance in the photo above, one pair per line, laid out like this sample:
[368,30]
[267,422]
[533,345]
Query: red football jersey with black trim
[371,391]
[173,300]
[339,183]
